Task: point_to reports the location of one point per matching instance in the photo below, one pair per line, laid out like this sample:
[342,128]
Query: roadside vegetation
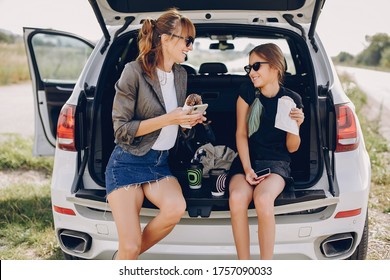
[26,223]
[375,56]
[15,154]
[13,63]
[13,59]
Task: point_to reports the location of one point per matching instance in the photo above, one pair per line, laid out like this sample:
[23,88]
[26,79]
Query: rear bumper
[297,236]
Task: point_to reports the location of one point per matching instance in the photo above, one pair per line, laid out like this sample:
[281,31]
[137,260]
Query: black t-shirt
[268,142]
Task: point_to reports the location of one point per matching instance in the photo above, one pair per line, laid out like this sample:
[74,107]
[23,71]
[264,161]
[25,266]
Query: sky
[343,24]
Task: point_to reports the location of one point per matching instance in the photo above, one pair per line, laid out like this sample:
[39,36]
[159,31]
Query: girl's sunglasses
[255,66]
[189,40]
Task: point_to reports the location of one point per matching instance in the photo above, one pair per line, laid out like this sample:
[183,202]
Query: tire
[361,250]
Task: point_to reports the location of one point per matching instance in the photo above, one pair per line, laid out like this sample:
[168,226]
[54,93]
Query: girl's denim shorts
[124,169]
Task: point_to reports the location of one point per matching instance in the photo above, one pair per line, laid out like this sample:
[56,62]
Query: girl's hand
[252,178]
[297,115]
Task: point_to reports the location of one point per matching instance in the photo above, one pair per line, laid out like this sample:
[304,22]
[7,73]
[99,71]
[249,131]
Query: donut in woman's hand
[193,99]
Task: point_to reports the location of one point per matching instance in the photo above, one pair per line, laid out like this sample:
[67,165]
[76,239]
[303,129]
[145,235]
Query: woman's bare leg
[167,195]
[240,195]
[264,197]
[125,204]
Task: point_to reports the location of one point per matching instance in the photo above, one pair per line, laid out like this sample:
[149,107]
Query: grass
[13,64]
[15,153]
[26,224]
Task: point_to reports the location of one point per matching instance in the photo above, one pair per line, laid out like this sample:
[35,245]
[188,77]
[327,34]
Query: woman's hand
[183,117]
[297,115]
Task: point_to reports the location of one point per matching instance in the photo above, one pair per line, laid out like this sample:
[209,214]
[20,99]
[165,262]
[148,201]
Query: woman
[260,148]
[146,118]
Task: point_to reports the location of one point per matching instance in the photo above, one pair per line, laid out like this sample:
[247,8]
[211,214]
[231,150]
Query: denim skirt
[125,170]
[279,167]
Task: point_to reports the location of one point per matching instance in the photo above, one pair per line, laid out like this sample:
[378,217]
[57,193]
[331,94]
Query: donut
[193,99]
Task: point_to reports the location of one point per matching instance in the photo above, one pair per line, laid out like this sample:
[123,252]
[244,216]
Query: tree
[344,57]
[385,59]
[372,55]
[6,38]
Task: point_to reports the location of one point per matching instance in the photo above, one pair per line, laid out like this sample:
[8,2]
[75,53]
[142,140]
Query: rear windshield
[235,55]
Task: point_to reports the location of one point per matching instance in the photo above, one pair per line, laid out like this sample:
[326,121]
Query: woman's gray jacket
[138,98]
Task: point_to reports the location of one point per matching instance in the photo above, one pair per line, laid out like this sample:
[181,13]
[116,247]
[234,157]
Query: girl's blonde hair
[149,37]
[274,55]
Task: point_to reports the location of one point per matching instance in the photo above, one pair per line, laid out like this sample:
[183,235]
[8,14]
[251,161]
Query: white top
[168,134]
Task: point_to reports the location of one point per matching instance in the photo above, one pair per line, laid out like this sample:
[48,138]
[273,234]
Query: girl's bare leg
[264,197]
[240,195]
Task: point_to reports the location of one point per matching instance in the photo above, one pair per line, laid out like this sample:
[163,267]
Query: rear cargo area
[220,91]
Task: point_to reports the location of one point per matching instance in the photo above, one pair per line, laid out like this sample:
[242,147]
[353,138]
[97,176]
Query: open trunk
[220,92]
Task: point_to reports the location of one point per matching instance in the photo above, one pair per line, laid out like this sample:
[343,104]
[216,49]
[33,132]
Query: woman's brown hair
[149,37]
[274,55]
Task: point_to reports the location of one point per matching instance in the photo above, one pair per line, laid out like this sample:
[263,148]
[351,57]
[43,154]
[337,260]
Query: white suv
[323,217]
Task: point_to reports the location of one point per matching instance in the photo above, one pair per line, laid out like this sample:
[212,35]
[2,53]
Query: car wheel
[361,250]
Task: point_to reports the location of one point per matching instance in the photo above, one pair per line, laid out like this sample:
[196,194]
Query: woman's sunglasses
[189,40]
[255,66]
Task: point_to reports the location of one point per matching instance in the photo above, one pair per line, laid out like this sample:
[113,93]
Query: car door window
[59,58]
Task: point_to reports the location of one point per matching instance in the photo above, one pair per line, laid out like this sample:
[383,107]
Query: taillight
[66,128]
[347,136]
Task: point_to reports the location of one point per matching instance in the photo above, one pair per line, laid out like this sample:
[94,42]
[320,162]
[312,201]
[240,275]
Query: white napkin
[283,120]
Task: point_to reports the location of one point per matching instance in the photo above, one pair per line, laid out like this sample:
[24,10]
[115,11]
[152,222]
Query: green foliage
[372,55]
[16,153]
[26,224]
[6,38]
[13,64]
[385,59]
[344,57]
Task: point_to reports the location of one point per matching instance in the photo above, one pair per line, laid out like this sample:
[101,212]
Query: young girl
[146,117]
[259,148]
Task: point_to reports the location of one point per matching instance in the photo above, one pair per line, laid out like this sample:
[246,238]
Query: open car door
[56,60]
